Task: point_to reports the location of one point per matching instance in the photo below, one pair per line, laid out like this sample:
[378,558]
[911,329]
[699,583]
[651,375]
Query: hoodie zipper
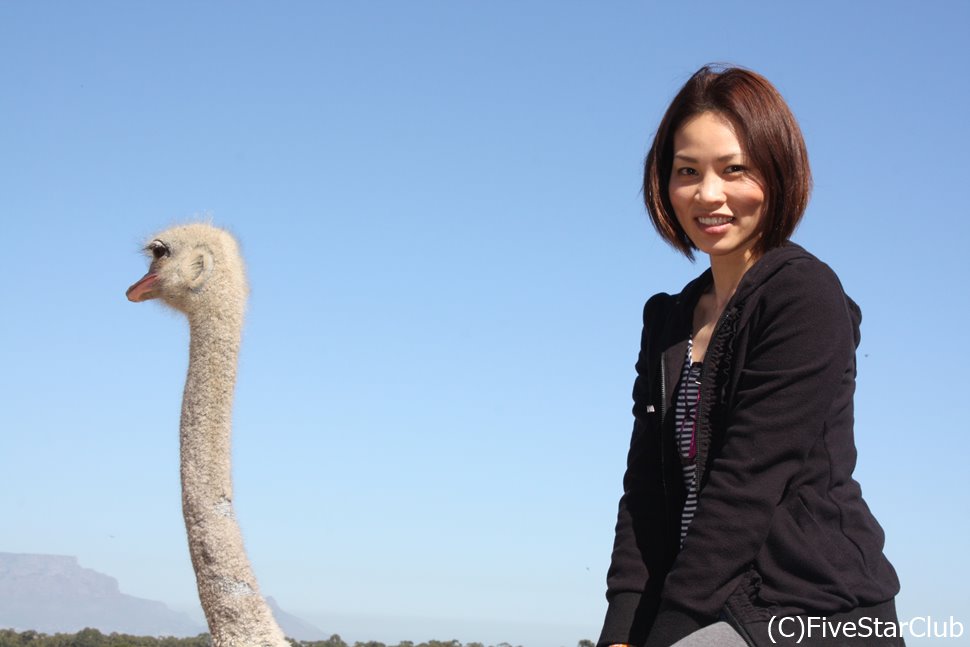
[663,389]
[663,440]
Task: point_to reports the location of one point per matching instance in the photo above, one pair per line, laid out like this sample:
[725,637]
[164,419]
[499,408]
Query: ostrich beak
[143,289]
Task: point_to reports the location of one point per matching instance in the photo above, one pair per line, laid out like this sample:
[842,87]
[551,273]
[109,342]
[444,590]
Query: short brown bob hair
[769,136]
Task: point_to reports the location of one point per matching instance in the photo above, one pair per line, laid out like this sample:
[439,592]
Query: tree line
[94,638]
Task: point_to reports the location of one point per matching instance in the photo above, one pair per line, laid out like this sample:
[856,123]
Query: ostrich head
[194,268]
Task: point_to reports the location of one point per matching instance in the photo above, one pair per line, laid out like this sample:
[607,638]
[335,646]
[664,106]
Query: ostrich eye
[158,249]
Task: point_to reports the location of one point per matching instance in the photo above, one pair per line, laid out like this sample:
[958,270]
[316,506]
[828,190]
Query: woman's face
[718,199]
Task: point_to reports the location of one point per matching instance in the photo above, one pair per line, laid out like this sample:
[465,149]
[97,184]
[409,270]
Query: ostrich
[197,270]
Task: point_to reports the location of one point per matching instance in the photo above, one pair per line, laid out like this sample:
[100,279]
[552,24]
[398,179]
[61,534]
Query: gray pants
[719,634]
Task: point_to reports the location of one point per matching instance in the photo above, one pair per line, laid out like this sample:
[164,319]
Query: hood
[762,271]
[768,265]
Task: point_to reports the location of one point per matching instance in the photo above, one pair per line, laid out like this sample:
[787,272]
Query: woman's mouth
[713,221]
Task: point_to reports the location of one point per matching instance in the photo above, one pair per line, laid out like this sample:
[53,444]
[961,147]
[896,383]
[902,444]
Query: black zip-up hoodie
[781,528]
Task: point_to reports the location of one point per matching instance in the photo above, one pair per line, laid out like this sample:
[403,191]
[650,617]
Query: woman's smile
[714,224]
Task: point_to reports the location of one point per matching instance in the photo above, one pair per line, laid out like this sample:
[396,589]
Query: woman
[739,507]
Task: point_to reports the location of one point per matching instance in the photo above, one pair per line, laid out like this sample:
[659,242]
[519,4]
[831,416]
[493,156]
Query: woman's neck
[728,271]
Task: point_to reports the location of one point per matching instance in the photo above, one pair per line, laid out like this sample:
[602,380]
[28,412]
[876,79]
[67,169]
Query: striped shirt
[685,417]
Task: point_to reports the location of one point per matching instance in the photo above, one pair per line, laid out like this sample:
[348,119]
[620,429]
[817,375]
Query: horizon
[357,626]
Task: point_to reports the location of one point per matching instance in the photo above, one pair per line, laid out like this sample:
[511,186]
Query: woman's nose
[710,190]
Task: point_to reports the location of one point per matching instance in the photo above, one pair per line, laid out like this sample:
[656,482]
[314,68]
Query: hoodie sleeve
[635,574]
[799,353]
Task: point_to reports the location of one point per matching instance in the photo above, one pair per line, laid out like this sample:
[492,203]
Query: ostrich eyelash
[157,249]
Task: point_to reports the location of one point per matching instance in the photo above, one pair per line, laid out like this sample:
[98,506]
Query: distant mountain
[53,593]
[294,627]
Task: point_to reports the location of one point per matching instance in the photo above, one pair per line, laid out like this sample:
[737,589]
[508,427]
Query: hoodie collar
[763,269]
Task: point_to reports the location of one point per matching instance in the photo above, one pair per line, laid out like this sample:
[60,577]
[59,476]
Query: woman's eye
[736,168]
[686,171]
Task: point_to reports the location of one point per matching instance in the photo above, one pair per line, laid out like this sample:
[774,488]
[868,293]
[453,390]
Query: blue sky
[439,206]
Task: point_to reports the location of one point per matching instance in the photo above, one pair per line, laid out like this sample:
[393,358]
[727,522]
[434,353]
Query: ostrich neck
[235,611]
[207,406]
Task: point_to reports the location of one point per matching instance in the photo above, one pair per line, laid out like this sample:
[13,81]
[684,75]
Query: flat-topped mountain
[54,593]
